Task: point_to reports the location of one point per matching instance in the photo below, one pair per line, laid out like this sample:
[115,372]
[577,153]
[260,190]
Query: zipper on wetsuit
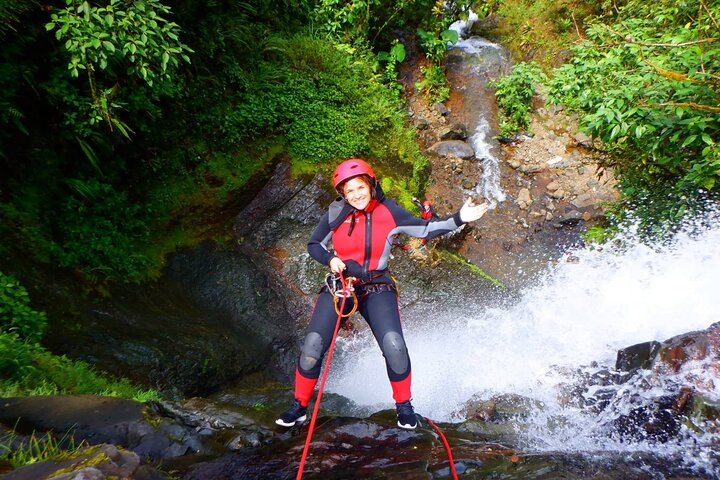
[368,243]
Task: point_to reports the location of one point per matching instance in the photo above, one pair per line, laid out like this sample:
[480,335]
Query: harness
[342,288]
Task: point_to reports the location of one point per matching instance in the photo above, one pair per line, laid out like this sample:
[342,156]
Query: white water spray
[584,309]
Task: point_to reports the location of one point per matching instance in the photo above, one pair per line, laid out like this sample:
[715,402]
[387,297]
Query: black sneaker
[406,415]
[295,414]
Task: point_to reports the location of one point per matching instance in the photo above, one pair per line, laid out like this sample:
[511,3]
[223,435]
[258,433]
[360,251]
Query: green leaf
[450,36]
[109,46]
[688,140]
[398,51]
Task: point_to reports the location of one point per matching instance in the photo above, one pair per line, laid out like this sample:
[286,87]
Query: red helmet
[351,168]
[427,204]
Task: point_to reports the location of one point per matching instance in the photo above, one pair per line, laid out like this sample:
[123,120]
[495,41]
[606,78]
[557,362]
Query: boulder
[456,148]
[101,462]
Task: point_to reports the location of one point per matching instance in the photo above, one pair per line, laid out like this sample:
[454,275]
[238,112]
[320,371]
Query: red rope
[447,448]
[311,428]
[322,385]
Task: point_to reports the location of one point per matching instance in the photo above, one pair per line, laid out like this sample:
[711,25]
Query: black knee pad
[311,350]
[395,351]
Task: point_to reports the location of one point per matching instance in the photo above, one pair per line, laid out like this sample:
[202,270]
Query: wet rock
[689,347]
[704,414]
[283,199]
[656,422]
[486,26]
[244,425]
[455,148]
[340,444]
[97,420]
[518,137]
[468,184]
[637,356]
[441,109]
[500,407]
[91,463]
[570,217]
[456,131]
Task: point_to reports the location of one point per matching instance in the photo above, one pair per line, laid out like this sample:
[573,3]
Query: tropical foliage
[643,76]
[16,316]
[116,139]
[647,81]
[514,93]
[129,37]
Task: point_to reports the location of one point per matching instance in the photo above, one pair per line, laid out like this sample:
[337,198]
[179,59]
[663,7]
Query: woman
[362,225]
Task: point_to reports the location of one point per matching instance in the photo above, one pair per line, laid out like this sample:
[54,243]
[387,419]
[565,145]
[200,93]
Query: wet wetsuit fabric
[363,240]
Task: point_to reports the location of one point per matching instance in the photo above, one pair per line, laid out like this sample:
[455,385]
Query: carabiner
[336,287]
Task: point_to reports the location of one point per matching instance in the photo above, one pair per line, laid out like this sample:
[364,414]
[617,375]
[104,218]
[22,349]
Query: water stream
[476,61]
[581,311]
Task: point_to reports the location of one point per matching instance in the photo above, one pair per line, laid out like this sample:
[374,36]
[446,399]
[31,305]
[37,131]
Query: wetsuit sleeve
[411,225]
[317,246]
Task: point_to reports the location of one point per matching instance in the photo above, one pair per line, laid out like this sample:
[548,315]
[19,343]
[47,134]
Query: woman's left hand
[471,212]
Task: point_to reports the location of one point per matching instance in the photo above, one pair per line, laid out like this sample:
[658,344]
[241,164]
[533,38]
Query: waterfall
[586,307]
[486,60]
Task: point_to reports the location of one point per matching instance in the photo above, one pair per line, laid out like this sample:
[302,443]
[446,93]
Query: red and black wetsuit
[363,240]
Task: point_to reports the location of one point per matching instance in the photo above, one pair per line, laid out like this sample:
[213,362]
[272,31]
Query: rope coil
[342,288]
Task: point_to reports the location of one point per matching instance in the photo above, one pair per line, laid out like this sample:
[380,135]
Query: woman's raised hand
[470,211]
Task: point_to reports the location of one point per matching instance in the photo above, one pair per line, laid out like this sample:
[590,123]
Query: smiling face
[357,192]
